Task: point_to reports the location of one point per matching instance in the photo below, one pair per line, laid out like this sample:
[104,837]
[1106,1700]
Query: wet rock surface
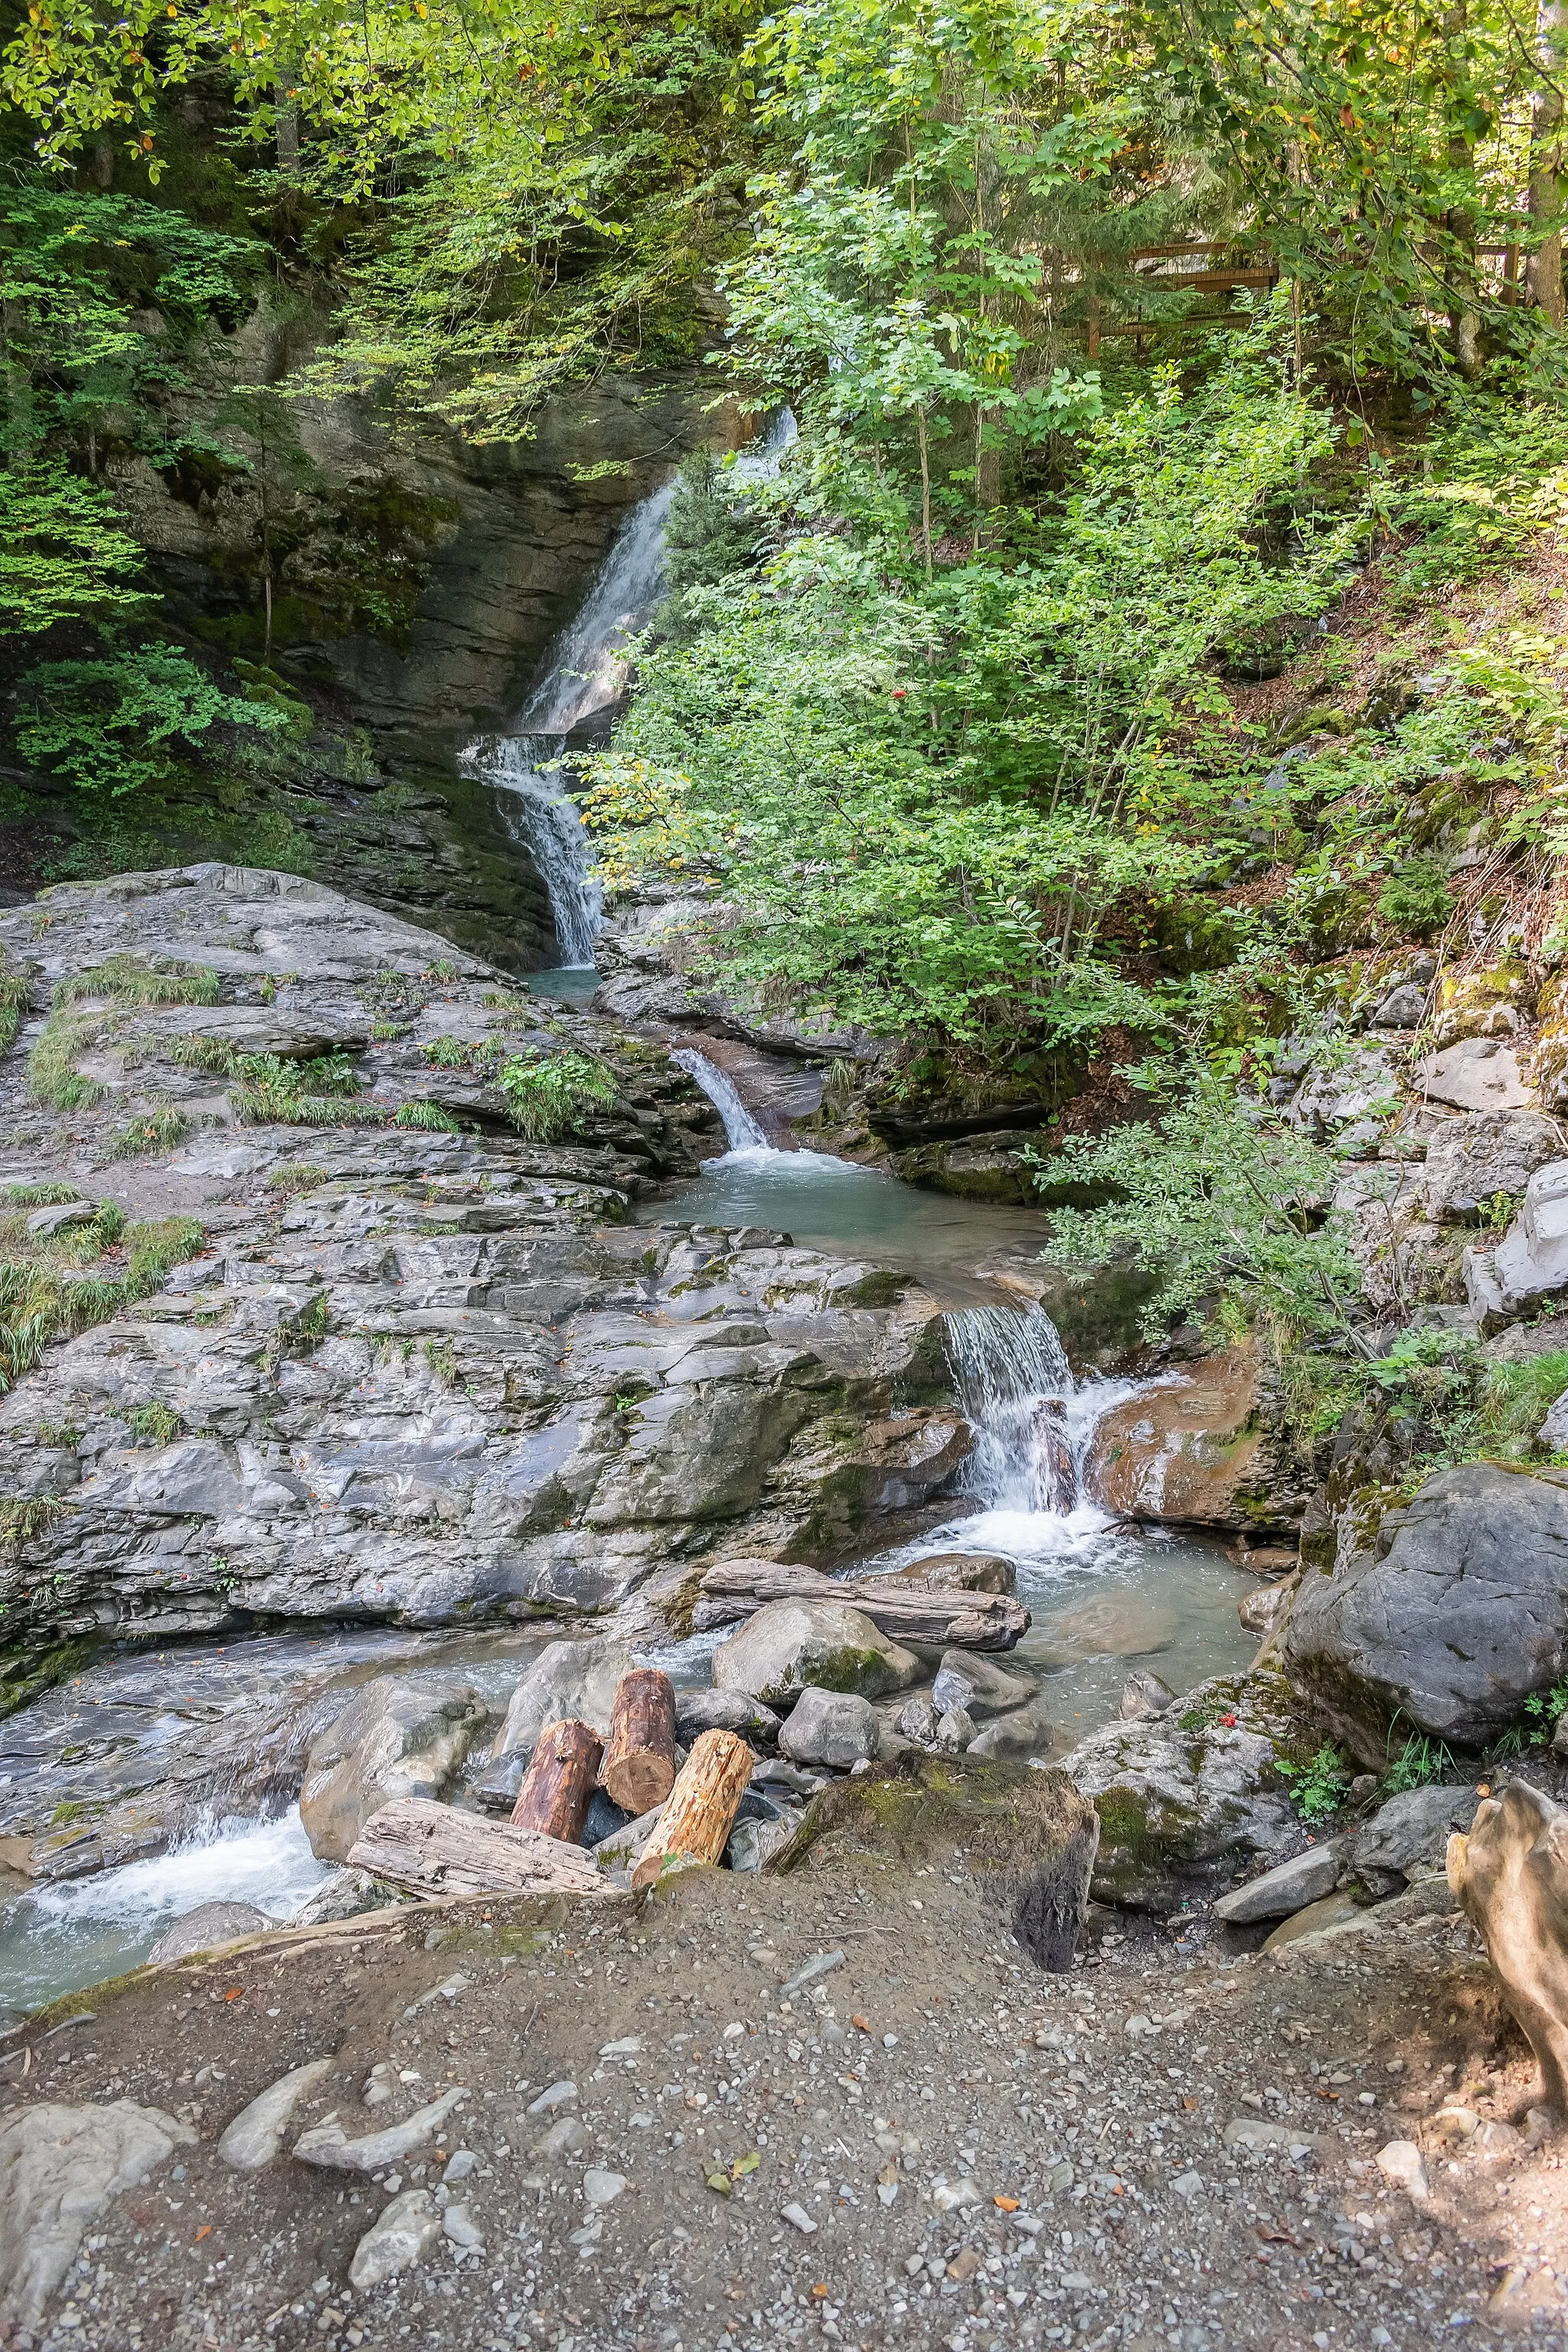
[1198,1449]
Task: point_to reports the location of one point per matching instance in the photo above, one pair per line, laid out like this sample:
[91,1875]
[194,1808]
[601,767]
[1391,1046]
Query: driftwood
[701,1812]
[437,1850]
[559,1781]
[1511,1874]
[638,1769]
[945,1620]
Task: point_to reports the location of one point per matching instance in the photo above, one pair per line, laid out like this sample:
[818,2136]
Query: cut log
[559,1781]
[437,1850]
[638,1769]
[702,1805]
[951,1620]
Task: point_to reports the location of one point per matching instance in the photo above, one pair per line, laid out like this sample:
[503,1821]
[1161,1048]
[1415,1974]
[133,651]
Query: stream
[1105,1598]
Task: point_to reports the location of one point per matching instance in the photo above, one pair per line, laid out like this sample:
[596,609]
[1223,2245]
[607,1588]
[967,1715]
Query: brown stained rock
[1511,1876]
[1027,1836]
[1194,1450]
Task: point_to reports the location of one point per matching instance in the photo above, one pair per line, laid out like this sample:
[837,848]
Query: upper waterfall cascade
[741,1132]
[588,672]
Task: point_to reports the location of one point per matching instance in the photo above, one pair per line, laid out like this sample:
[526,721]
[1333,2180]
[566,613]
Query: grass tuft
[426,1115]
[53,1077]
[158,1130]
[127,980]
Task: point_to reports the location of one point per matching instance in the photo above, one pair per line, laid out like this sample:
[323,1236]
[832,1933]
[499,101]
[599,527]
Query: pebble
[462,2165]
[448,1989]
[602,2187]
[1185,2184]
[955,2196]
[403,2235]
[256,2135]
[799,2219]
[459,2225]
[557,2095]
[818,1965]
[1401,2161]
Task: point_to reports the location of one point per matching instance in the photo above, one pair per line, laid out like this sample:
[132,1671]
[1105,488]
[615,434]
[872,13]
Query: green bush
[549,1094]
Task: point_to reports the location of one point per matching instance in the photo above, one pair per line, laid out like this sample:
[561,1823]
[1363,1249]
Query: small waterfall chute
[741,1132]
[1032,1422]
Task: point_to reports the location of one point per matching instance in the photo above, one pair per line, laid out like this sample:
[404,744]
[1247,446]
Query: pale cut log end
[638,1783]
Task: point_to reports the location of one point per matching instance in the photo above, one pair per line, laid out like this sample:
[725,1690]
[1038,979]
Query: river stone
[403,1735]
[1196,1449]
[344,1895]
[962,1571]
[1025,1732]
[696,1711]
[1401,1008]
[207,1927]
[955,1732]
[1457,1612]
[791,1644]
[568,1682]
[1185,1797]
[1264,1609]
[1329,1911]
[58,2168]
[400,2237]
[829,1727]
[968,1679]
[328,2145]
[1477,1073]
[1143,1694]
[1410,1830]
[917,1720]
[1470,1160]
[256,2135]
[1287,1888]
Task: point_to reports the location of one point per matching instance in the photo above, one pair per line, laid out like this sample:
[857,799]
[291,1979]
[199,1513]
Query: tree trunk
[638,1769]
[559,1781]
[1544,268]
[702,1805]
[437,1850]
[286,122]
[963,1621]
[1460,273]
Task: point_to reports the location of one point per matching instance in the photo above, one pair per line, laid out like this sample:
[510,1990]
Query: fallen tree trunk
[437,1850]
[697,1821]
[947,1620]
[638,1769]
[559,1781]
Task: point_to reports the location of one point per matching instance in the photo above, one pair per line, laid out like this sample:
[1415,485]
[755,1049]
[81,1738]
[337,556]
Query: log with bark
[702,1807]
[437,1850]
[638,1769]
[948,1620]
[559,1781]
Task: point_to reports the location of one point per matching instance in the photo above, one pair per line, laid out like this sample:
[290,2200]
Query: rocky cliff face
[407,1372]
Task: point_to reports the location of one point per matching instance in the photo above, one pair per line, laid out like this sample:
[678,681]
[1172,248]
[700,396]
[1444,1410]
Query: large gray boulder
[1286,1889]
[1470,1160]
[1449,1621]
[1187,1797]
[793,1645]
[830,1728]
[568,1682]
[696,1711]
[405,1736]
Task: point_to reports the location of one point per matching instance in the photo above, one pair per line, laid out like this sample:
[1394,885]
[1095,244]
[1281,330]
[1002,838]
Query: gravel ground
[985,2156]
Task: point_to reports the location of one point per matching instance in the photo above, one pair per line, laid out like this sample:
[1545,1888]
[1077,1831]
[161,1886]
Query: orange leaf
[863,2022]
[235,1993]
[820,2289]
[204,2231]
[1005,2204]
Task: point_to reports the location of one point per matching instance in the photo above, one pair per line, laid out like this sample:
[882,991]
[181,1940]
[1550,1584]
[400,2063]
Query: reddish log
[558,1782]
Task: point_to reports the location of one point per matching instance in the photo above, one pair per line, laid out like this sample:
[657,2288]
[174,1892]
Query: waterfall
[1032,1423]
[741,1132]
[587,673]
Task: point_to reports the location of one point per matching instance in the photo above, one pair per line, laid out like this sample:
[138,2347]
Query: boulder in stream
[206,1928]
[834,1728]
[1197,1448]
[791,1644]
[405,1736]
[971,1680]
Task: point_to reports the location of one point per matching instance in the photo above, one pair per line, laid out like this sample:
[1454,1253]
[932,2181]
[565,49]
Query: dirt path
[987,2157]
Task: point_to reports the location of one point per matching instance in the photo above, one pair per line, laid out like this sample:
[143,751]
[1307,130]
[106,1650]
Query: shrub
[549,1094]
[1320,1784]
[155,1423]
[1416,899]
